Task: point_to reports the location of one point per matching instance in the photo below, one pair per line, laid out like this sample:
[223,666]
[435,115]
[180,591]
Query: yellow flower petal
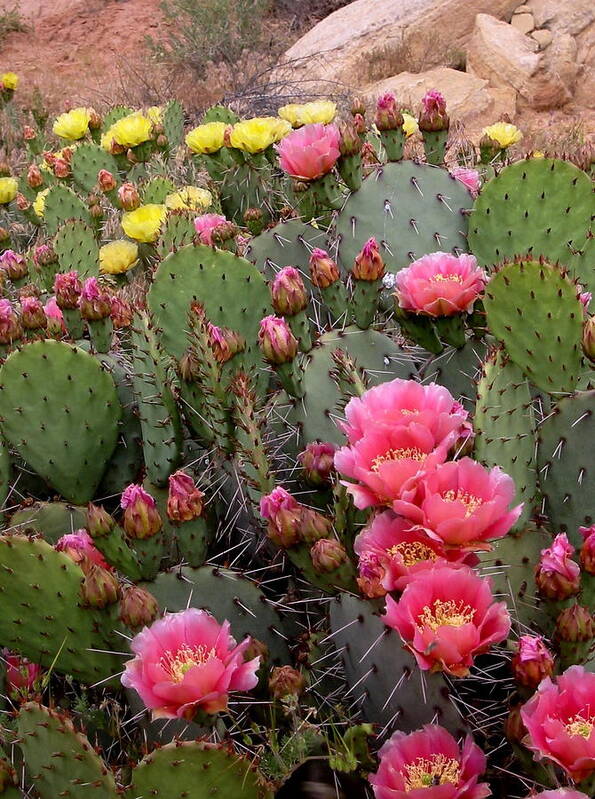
[144,223]
[10,80]
[255,135]
[189,198]
[39,203]
[8,190]
[118,257]
[410,126]
[129,131]
[208,138]
[504,134]
[299,114]
[73,124]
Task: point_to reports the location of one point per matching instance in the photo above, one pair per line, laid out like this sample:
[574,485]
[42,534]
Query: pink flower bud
[388,115]
[276,341]
[224,231]
[283,514]
[288,293]
[61,168]
[13,265]
[317,462]
[371,575]
[368,264]
[79,546]
[68,289]
[22,202]
[327,555]
[313,526]
[55,317]
[141,517]
[100,587]
[10,324]
[323,270]
[32,314]
[106,180]
[225,343]
[138,607]
[587,557]
[585,297]
[589,338]
[433,116]
[350,142]
[533,661]
[95,301]
[557,576]
[575,624]
[128,196]
[285,681]
[44,255]
[184,501]
[22,676]
[205,224]
[29,133]
[34,176]
[99,522]
[121,312]
[470,178]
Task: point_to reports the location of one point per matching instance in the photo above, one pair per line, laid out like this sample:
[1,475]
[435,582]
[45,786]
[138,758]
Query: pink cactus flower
[585,297]
[184,501]
[310,151]
[400,550]
[533,661]
[141,517]
[405,403]
[468,177]
[560,722]
[187,662]
[79,545]
[462,504]
[205,224]
[557,575]
[67,288]
[13,264]
[440,284]
[429,763]
[447,616]
[387,463]
[95,301]
[55,316]
[559,793]
[284,515]
[588,549]
[433,102]
[21,674]
[10,325]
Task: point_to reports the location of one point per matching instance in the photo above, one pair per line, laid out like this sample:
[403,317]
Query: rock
[543,37]
[523,10]
[505,57]
[368,40]
[523,22]
[563,16]
[561,60]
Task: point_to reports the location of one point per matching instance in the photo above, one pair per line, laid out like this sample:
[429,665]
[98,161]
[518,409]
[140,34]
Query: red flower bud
[29,133]
[277,342]
[106,181]
[317,462]
[368,264]
[61,168]
[141,517]
[32,314]
[67,288]
[323,270]
[10,325]
[589,338]
[388,115]
[138,607]
[34,176]
[283,514]
[288,293]
[533,661]
[285,681]
[433,116]
[184,501]
[225,342]
[98,521]
[13,265]
[575,624]
[587,557]
[95,301]
[121,312]
[557,576]
[327,555]
[350,142]
[100,587]
[129,197]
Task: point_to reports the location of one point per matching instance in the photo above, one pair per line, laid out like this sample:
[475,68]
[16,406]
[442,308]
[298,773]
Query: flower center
[186,657]
[470,501]
[578,725]
[446,278]
[408,453]
[437,770]
[446,614]
[412,552]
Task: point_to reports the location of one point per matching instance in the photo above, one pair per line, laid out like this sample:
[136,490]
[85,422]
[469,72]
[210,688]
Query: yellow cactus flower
[208,138]
[504,134]
[144,223]
[255,135]
[8,190]
[118,257]
[306,113]
[537,154]
[129,131]
[410,126]
[72,125]
[10,80]
[155,114]
[189,198]
[39,203]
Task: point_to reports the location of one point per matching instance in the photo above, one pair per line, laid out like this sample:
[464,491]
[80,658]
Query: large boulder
[371,39]
[562,16]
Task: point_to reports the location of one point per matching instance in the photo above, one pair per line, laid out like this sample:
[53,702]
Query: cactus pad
[62,204]
[157,189]
[177,231]
[51,520]
[87,161]
[77,249]
[286,244]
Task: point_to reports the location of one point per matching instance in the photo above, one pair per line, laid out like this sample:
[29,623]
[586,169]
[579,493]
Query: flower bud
[106,181]
[4,235]
[129,197]
[256,649]
[388,116]
[359,124]
[95,301]
[533,661]
[327,555]
[557,576]
[14,265]
[225,343]
[55,318]
[514,729]
[184,501]
[100,587]
[67,288]
[283,514]
[189,367]
[80,548]
[323,270]
[589,338]
[285,681]
[225,231]
[317,462]
[368,264]
[371,574]
[141,517]
[254,220]
[288,293]
[575,624]
[138,607]
[358,106]
[44,255]
[369,155]
[32,314]
[98,521]
[433,116]
[276,341]
[350,142]
[121,312]
[10,324]
[61,168]
[587,556]
[29,133]
[22,202]
[34,176]
[313,526]
[8,776]
[95,120]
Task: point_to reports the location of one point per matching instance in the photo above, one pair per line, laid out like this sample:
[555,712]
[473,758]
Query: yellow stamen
[186,657]
[412,552]
[446,278]
[470,501]
[579,725]
[425,773]
[445,614]
[409,453]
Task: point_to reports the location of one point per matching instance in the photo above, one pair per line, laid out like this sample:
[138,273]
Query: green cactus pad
[219,113]
[5,474]
[60,760]
[411,209]
[60,411]
[232,291]
[177,231]
[196,769]
[286,244]
[383,676]
[87,161]
[157,189]
[457,370]
[114,114]
[62,204]
[566,466]
[504,425]
[540,206]
[173,124]
[158,412]
[77,249]
[51,520]
[534,310]
[248,186]
[226,595]
[42,618]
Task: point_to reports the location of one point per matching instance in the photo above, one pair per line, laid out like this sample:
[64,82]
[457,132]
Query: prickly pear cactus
[76,248]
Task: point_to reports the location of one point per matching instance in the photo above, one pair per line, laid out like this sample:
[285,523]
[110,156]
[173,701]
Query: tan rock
[523,22]
[371,39]
[561,60]
[563,16]
[543,37]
